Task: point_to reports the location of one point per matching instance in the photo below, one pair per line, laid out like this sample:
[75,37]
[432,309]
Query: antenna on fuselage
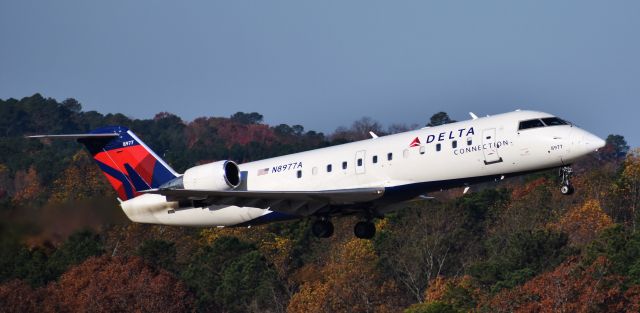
[473,116]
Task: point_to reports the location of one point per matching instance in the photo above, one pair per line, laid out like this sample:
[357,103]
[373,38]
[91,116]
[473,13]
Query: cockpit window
[530,124]
[553,121]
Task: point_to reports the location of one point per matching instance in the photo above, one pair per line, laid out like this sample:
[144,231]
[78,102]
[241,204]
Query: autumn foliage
[349,282]
[102,284]
[570,288]
[584,222]
[516,245]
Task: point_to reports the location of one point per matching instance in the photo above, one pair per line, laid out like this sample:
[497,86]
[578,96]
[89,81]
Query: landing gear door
[489,148]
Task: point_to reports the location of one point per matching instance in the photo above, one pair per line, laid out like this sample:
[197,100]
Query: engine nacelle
[221,175]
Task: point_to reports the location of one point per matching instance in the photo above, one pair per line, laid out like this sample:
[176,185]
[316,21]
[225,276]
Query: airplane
[367,178]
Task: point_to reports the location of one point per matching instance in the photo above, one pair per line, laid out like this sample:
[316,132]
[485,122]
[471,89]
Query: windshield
[542,122]
[553,121]
[530,124]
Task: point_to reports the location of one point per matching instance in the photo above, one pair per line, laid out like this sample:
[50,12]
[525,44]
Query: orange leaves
[5,181]
[81,180]
[583,223]
[312,297]
[120,284]
[632,295]
[27,186]
[102,284]
[278,252]
[569,288]
[456,293]
[440,286]
[17,296]
[520,192]
[204,131]
[349,282]
[436,289]
[631,170]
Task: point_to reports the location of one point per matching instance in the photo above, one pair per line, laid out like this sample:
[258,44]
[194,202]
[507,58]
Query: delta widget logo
[415,143]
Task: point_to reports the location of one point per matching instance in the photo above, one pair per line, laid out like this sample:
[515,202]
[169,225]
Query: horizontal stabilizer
[76,136]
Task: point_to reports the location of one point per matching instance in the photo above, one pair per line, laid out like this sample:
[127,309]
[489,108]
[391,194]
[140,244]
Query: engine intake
[221,175]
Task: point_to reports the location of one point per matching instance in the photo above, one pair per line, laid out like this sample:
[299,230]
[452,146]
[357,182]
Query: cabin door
[360,158]
[489,148]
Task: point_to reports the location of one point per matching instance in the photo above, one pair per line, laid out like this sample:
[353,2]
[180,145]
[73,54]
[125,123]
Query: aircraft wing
[290,202]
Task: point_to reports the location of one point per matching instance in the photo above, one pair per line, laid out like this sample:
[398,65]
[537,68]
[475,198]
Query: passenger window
[469,141]
[405,153]
[344,165]
[299,173]
[329,168]
[530,124]
[423,149]
[359,162]
[389,156]
[438,147]
[375,159]
[314,171]
[454,144]
[554,121]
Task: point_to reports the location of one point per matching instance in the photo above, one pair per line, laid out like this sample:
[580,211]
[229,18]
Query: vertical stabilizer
[129,165]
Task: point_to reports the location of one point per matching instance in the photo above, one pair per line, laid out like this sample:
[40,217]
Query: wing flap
[291,202]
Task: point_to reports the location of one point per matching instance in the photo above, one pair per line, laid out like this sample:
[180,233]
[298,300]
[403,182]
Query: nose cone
[585,142]
[595,142]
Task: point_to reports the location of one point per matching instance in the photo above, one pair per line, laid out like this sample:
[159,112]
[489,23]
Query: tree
[616,147]
[628,186]
[364,125]
[117,284]
[27,186]
[621,248]
[72,105]
[568,288]
[75,250]
[440,118]
[160,253]
[415,246]
[223,278]
[583,223]
[247,284]
[359,130]
[5,182]
[81,180]
[459,292]
[17,296]
[247,118]
[521,257]
[431,307]
[349,282]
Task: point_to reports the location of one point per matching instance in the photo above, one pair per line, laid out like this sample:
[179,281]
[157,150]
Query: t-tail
[129,164]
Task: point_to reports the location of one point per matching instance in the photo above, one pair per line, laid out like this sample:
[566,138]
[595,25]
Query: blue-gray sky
[324,64]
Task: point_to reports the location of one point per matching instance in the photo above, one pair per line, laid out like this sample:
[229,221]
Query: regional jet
[366,178]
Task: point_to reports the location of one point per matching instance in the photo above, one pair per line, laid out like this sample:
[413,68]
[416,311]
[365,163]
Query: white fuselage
[446,156]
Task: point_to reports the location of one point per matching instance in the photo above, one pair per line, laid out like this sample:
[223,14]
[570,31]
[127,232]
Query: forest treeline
[513,246]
